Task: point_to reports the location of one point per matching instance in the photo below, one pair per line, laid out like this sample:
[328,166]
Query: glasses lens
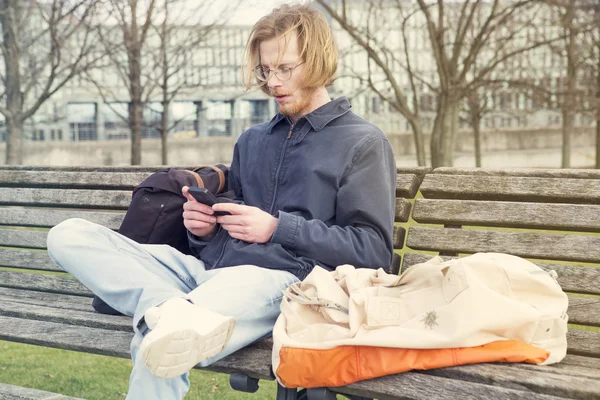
[260,74]
[284,74]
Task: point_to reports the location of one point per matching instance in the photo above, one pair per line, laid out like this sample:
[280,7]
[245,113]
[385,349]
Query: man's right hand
[198,218]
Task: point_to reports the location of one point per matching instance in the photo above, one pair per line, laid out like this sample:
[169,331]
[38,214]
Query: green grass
[99,377]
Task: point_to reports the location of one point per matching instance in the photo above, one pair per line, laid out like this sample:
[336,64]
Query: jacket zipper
[289,136]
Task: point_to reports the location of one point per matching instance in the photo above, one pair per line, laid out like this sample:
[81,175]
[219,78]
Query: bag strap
[218,171]
[195,174]
[296,294]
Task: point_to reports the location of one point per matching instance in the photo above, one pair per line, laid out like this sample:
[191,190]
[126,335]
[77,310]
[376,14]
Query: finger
[197,206]
[191,224]
[199,216]
[230,220]
[233,208]
[186,193]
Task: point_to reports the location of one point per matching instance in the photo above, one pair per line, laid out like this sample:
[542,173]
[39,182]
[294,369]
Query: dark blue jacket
[331,181]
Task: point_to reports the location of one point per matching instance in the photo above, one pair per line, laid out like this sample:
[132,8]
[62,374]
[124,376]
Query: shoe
[182,335]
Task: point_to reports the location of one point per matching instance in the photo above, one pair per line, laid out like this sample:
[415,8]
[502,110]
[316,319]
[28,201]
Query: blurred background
[493,83]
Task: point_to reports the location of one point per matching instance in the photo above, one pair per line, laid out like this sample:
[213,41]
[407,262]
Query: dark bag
[155,213]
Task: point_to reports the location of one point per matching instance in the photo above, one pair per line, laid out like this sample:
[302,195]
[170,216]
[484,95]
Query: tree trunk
[569,91]
[444,131]
[598,104]
[9,18]
[567,126]
[476,125]
[136,116]
[136,119]
[14,141]
[164,130]
[419,142]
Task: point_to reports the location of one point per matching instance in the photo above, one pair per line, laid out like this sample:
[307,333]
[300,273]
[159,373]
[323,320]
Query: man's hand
[198,218]
[250,224]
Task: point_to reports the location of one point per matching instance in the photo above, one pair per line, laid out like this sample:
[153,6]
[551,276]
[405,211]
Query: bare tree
[179,36]
[591,67]
[381,74]
[575,25]
[125,48]
[459,34]
[44,44]
[595,52]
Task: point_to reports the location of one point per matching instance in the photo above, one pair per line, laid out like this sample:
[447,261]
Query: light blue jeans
[132,277]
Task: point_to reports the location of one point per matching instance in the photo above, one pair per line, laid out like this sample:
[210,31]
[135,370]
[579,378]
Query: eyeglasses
[283,74]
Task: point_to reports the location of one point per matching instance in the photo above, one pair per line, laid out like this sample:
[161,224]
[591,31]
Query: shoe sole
[177,352]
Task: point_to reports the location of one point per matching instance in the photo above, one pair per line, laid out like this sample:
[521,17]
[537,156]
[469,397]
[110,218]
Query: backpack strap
[217,170]
[195,174]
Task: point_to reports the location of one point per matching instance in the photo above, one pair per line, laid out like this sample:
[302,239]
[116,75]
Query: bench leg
[243,383]
[290,394]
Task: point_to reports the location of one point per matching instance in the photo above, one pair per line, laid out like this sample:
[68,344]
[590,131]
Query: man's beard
[301,102]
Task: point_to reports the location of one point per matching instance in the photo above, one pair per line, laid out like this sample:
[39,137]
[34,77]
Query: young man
[315,186]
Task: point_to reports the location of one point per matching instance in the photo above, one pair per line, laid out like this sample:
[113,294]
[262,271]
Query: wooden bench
[55,310]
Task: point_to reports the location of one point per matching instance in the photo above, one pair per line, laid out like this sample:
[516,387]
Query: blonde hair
[315,39]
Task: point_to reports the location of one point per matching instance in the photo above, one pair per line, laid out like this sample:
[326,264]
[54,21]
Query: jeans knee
[64,234]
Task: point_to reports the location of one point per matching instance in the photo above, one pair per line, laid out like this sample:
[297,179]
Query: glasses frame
[275,72]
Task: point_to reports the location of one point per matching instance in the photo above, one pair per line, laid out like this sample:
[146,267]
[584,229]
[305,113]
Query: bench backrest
[553,218]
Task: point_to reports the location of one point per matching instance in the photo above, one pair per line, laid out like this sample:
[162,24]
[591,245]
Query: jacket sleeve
[365,205]
[233,183]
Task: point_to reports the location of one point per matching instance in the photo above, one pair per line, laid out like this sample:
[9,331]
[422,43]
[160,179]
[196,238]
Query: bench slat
[402,210]
[47,218]
[524,244]
[27,259]
[398,237]
[11,392]
[584,343]
[579,361]
[584,311]
[566,217]
[43,283]
[422,386]
[528,172]
[72,180]
[23,238]
[67,337]
[54,300]
[396,261]
[77,198]
[571,278]
[407,185]
[79,318]
[540,379]
[571,365]
[506,188]
[251,360]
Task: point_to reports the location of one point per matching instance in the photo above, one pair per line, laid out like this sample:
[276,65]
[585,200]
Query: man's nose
[274,81]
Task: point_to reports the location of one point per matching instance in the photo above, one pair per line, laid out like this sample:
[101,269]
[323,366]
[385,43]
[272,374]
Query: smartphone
[205,196]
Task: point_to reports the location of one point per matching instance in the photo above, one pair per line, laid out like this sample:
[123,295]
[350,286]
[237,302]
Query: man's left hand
[250,224]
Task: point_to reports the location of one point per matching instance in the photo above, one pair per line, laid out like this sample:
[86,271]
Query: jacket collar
[319,118]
